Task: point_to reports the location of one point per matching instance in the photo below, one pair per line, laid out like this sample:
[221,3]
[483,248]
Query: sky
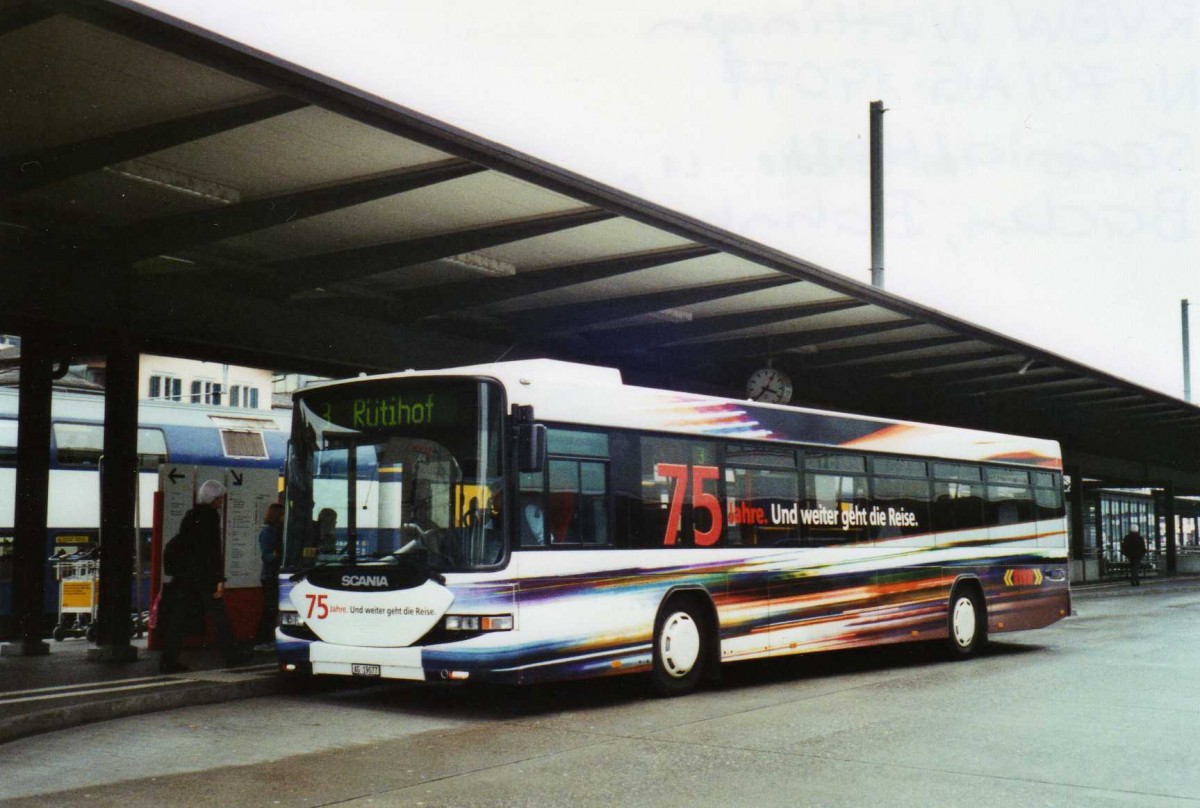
[1042,160]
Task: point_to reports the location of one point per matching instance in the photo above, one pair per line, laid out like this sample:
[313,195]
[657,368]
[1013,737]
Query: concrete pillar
[118,500]
[1169,512]
[32,497]
[1077,551]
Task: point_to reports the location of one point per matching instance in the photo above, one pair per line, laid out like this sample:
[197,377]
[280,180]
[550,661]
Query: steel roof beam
[988,379]
[1130,409]
[774,344]
[24,172]
[837,357]
[1093,392]
[575,315]
[655,334]
[929,364]
[1126,399]
[1053,386]
[444,298]
[173,233]
[293,275]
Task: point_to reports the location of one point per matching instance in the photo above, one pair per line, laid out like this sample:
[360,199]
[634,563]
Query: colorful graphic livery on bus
[539,520]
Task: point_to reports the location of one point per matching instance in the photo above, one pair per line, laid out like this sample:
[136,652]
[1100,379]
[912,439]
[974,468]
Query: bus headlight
[479,622]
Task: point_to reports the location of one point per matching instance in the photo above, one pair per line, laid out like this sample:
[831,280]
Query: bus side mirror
[531,447]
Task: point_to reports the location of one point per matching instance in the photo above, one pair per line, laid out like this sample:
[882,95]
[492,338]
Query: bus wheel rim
[679,645]
[964,622]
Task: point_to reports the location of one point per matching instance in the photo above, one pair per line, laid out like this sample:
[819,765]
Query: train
[169,432]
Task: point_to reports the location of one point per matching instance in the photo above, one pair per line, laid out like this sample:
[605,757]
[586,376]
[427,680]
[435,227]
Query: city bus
[538,520]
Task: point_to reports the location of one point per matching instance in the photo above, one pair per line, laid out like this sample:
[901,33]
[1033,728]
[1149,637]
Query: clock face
[769,385]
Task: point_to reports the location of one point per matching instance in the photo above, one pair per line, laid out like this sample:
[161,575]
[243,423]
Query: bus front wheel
[679,648]
[967,622]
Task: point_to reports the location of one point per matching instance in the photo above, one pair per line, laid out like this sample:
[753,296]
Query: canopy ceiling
[206,199]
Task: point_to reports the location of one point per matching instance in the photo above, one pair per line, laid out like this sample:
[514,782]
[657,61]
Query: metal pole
[1187,359]
[877,111]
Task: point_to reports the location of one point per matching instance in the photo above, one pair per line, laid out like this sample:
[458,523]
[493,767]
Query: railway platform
[64,688]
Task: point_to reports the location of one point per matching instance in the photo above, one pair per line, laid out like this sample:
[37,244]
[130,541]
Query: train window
[6,558]
[83,445]
[8,443]
[152,448]
[241,443]
[79,444]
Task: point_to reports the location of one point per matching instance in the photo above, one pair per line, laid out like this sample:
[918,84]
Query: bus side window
[681,497]
[836,502]
[1009,497]
[957,497]
[578,502]
[531,510]
[761,506]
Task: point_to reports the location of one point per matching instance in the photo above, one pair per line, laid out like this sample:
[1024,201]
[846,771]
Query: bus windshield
[397,471]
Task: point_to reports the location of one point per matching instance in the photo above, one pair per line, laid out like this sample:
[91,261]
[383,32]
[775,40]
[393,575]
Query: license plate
[365,670]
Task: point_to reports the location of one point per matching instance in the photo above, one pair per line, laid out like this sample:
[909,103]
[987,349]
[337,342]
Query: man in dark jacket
[1133,547]
[197,584]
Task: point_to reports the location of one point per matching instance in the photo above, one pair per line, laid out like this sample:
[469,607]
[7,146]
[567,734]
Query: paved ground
[1099,710]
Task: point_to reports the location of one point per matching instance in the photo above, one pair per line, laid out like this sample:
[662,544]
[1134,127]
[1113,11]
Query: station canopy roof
[212,201]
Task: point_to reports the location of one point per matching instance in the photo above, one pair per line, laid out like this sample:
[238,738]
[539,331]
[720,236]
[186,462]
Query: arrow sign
[174,476]
[237,478]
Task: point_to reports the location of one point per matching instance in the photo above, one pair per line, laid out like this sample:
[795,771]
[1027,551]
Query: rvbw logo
[364,580]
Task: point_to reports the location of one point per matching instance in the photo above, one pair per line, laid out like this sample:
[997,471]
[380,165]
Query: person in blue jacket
[270,548]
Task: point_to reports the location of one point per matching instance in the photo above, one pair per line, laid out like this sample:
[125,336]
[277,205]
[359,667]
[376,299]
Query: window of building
[243,395]
[165,387]
[206,392]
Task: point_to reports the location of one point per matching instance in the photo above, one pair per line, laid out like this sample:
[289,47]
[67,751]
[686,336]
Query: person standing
[270,545]
[1133,547]
[197,584]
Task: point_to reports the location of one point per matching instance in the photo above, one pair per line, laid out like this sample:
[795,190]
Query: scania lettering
[364,580]
[534,521]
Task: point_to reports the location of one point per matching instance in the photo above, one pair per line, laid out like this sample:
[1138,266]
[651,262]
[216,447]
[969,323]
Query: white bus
[540,520]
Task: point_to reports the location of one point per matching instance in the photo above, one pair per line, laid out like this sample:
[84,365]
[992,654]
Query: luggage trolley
[78,592]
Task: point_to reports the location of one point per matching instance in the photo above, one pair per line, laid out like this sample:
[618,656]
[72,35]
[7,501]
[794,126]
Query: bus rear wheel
[680,648]
[967,622]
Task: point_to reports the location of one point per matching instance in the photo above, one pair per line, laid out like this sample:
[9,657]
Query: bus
[538,520]
[168,432]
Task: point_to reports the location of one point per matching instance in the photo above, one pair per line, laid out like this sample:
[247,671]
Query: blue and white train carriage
[168,432]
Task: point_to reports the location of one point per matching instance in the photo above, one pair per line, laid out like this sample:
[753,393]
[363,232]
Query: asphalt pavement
[65,688]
